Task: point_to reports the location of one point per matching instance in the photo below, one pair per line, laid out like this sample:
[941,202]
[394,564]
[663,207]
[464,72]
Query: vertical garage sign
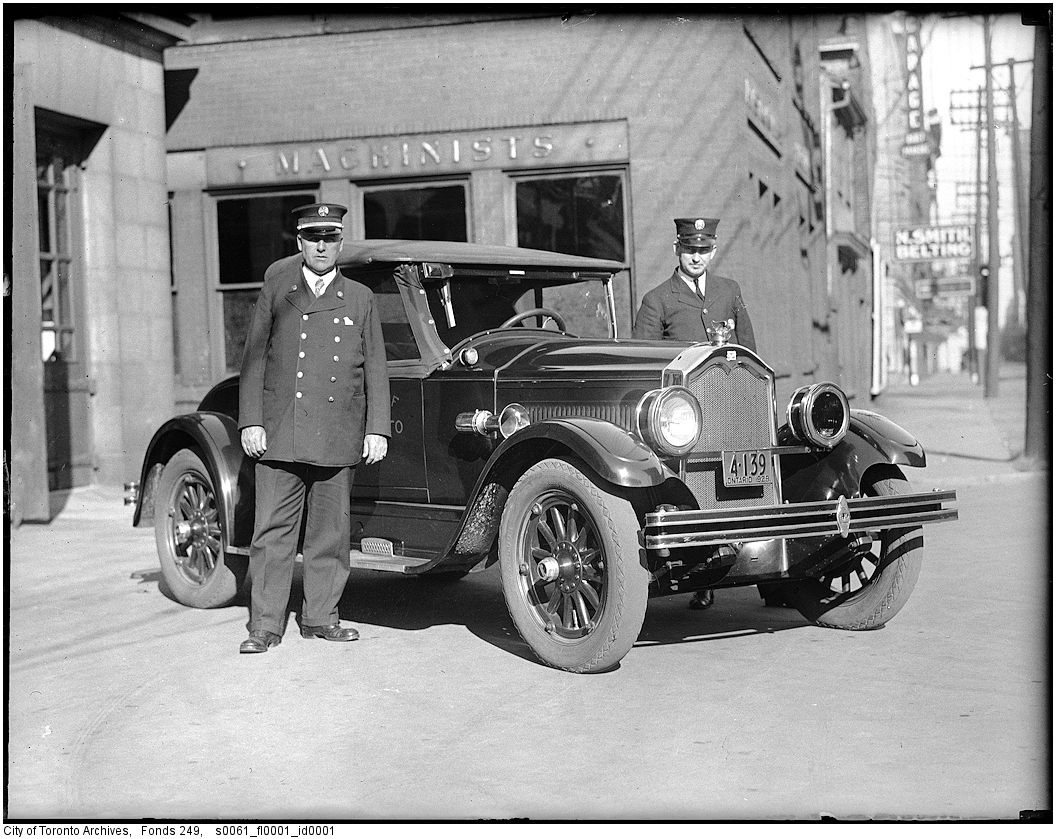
[916,142]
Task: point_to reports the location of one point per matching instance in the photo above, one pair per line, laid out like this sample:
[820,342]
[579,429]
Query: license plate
[747,468]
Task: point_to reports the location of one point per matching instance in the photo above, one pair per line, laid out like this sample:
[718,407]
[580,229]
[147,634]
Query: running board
[376,562]
[368,561]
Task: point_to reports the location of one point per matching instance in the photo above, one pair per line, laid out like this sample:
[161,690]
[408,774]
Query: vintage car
[597,470]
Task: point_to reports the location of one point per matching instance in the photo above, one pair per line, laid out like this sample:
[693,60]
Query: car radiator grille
[737,413]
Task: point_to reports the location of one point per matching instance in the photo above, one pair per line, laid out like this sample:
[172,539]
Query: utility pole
[1021,215]
[993,255]
[959,106]
[977,239]
[1038,440]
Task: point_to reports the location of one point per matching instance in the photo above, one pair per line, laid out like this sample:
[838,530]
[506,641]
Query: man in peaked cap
[691,300]
[313,403]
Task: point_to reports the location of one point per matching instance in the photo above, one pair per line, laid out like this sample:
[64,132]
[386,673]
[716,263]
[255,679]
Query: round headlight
[819,414]
[669,420]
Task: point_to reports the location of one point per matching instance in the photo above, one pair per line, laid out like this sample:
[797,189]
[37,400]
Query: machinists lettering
[374,155]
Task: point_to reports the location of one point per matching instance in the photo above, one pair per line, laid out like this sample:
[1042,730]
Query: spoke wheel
[571,569]
[868,589]
[189,534]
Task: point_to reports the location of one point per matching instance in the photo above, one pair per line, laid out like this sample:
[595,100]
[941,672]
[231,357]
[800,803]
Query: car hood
[536,355]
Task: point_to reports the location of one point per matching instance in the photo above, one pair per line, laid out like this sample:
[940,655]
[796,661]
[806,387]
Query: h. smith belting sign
[926,243]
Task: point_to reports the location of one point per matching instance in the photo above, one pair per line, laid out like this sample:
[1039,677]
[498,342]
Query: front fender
[216,439]
[871,441]
[614,454]
[607,450]
[889,438]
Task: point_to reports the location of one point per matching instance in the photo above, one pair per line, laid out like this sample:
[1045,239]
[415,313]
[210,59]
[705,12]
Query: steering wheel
[541,313]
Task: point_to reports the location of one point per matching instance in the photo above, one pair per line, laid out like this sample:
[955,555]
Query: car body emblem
[843,517]
[731,355]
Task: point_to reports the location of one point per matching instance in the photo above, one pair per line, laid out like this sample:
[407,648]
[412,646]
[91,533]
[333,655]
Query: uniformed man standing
[690,301]
[313,402]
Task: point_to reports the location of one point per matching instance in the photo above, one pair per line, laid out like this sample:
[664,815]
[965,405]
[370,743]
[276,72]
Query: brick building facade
[583,134]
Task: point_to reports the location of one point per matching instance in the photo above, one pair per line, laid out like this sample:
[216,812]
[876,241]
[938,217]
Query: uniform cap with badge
[320,219]
[696,232]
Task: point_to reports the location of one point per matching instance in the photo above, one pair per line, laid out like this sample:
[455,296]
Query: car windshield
[480,304]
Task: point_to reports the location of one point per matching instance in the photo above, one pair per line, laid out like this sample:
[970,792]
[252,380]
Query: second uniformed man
[313,403]
[691,300]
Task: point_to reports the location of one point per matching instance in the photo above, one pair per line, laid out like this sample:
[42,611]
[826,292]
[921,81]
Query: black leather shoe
[260,641]
[702,599]
[334,632]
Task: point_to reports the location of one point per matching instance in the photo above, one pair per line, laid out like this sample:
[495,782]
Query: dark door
[67,386]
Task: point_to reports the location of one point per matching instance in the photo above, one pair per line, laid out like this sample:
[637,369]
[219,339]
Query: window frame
[216,289]
[363,188]
[623,170]
[59,146]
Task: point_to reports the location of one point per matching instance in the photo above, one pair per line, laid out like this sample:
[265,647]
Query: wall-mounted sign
[944,288]
[419,154]
[762,115]
[916,141]
[925,243]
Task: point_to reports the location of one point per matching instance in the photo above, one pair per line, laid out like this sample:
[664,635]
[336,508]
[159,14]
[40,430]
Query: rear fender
[872,441]
[216,439]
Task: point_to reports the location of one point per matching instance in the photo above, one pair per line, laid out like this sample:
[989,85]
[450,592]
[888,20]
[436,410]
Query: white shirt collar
[702,282]
[312,278]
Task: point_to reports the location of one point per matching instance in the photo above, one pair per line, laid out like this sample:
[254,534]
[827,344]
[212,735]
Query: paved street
[123,704]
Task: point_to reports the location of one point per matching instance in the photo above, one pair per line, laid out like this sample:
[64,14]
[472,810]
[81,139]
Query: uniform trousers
[284,491]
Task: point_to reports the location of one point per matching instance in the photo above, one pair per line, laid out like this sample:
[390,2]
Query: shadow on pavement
[736,614]
[475,601]
[416,603]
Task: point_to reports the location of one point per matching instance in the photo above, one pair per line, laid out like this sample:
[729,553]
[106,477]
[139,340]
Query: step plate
[394,564]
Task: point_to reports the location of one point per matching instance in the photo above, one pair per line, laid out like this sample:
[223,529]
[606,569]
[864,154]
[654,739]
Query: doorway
[67,385]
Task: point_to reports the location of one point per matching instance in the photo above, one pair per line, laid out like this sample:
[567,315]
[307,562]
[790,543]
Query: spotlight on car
[513,418]
[510,420]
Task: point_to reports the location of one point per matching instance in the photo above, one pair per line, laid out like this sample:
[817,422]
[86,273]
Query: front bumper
[838,517]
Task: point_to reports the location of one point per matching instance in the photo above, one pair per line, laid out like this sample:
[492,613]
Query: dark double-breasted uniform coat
[314,376]
[313,373]
[674,312]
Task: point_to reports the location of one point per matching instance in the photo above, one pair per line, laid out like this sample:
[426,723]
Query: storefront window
[420,212]
[252,232]
[578,214]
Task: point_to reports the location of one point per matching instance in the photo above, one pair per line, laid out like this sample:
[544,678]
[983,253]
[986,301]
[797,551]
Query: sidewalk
[968,438]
